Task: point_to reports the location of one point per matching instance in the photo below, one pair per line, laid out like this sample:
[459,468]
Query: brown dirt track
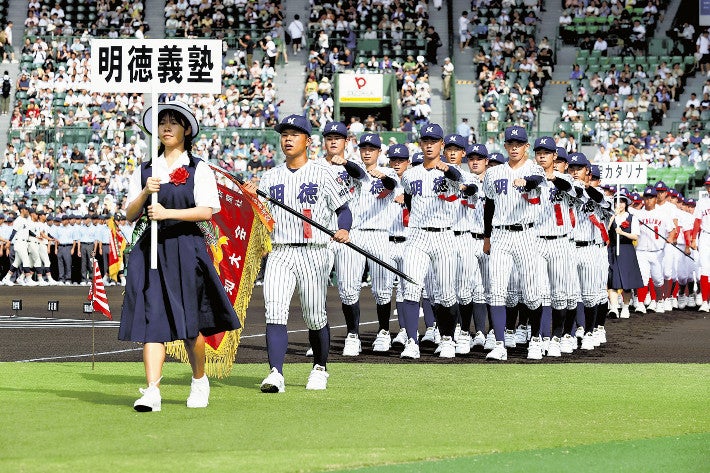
[679,337]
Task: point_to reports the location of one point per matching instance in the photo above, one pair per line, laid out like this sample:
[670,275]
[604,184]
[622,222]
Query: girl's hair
[182,120]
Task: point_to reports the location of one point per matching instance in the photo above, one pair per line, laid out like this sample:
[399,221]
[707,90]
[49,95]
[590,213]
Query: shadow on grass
[91,397]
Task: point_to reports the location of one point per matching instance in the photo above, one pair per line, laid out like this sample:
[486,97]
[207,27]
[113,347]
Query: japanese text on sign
[159,65]
[623,173]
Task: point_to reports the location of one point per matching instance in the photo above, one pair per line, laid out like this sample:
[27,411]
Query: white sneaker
[595,334]
[352,347]
[698,299]
[7,281]
[150,401]
[661,307]
[668,305]
[31,282]
[309,352]
[652,306]
[437,335]
[588,341]
[521,335]
[401,338]
[535,349]
[601,334]
[429,336]
[383,342]
[318,379]
[613,314]
[411,350]
[568,343]
[647,300]
[682,301]
[463,343]
[478,340]
[448,347]
[457,332]
[274,383]
[490,343]
[498,353]
[641,309]
[625,312]
[509,339]
[674,302]
[199,393]
[553,349]
[20,280]
[579,333]
[42,282]
[704,307]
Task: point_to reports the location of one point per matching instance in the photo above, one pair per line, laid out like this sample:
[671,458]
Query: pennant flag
[97,293]
[116,246]
[237,238]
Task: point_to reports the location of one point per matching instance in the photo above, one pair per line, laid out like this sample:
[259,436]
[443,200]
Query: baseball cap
[673,193]
[650,192]
[562,154]
[177,106]
[398,152]
[661,186]
[578,159]
[294,122]
[477,149]
[370,139]
[623,194]
[455,140]
[546,143]
[417,159]
[335,128]
[707,180]
[497,158]
[432,130]
[516,133]
[636,197]
[596,172]
[691,202]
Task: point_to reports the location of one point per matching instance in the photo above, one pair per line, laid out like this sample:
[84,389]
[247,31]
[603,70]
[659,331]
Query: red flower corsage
[179,176]
[625,224]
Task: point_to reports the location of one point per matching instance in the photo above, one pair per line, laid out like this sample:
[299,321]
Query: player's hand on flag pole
[250,188]
[341,236]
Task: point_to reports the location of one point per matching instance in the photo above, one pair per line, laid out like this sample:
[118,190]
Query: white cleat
[490,343]
[535,349]
[447,347]
[568,344]
[579,333]
[553,349]
[674,302]
[641,309]
[463,343]
[383,342]
[498,353]
[479,340]
[457,332]
[601,334]
[401,338]
[704,307]
[682,302]
[652,306]
[274,383]
[521,335]
[510,339]
[660,307]
[588,341]
[668,306]
[352,347]
[429,336]
[411,350]
[698,299]
[318,379]
[199,393]
[597,340]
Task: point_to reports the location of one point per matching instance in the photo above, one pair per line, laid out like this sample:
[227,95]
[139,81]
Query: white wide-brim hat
[177,106]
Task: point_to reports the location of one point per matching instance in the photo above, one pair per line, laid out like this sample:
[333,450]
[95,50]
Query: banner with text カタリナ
[360,88]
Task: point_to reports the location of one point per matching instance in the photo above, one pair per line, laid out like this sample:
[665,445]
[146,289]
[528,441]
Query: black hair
[183,121]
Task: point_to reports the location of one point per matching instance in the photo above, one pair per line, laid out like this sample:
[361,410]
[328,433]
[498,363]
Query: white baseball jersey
[314,190]
[512,204]
[463,213]
[371,209]
[430,189]
[660,226]
[350,183]
[702,213]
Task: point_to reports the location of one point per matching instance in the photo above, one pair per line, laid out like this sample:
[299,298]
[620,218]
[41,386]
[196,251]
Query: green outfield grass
[65,417]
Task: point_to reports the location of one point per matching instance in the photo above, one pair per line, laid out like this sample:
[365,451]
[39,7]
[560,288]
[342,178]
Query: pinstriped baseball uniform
[476,204]
[509,248]
[588,242]
[430,242]
[397,238]
[313,189]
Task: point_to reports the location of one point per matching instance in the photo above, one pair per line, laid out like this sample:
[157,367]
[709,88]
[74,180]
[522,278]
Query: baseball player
[512,202]
[686,265]
[671,256]
[44,239]
[300,257]
[22,264]
[5,231]
[701,242]
[431,241]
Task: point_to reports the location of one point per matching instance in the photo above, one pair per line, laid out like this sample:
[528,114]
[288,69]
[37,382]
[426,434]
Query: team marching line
[504,251]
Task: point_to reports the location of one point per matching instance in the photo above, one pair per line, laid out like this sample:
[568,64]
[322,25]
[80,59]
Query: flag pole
[93,326]
[154,197]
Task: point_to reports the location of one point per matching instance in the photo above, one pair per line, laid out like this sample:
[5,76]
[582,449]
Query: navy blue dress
[183,296]
[624,270]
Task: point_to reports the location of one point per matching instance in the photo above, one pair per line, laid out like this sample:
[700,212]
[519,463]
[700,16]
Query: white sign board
[623,173]
[193,66]
[360,88]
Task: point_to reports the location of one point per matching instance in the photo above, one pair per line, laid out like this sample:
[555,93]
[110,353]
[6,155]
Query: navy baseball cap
[673,192]
[455,140]
[335,128]
[650,192]
[398,152]
[497,158]
[2,216]
[707,180]
[578,159]
[417,159]
[370,139]
[636,197]
[516,133]
[691,202]
[545,142]
[432,130]
[661,186]
[295,122]
[562,154]
[596,172]
[477,149]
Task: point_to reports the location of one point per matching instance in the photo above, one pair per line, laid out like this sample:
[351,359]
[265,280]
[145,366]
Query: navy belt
[518,227]
[552,237]
[478,236]
[435,229]
[398,239]
[459,233]
[582,244]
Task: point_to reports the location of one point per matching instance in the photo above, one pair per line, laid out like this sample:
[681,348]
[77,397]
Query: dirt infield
[36,334]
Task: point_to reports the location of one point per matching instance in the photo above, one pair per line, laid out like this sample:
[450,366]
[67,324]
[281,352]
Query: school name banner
[623,173]
[192,66]
[360,88]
